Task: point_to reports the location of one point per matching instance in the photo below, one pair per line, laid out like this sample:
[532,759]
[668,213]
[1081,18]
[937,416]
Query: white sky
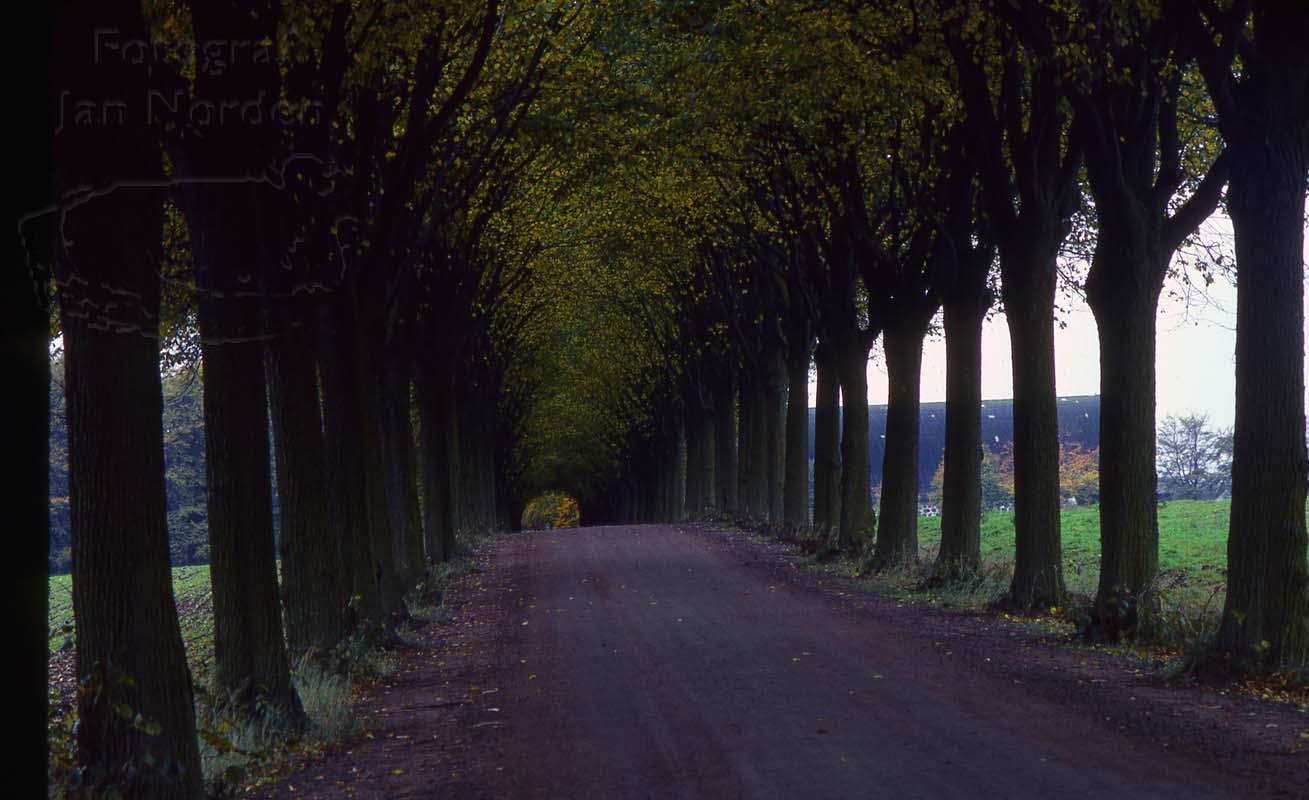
[1195,364]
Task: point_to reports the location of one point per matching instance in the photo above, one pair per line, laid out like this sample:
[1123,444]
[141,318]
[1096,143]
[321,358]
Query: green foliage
[551,510]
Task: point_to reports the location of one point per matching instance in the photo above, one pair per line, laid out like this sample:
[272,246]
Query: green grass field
[194,611]
[1192,540]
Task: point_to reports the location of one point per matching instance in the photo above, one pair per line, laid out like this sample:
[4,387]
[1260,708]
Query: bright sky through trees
[1195,369]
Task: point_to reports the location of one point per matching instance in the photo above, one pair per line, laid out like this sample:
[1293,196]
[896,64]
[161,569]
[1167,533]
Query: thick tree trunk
[679,476]
[695,447]
[1266,616]
[961,491]
[1123,295]
[761,467]
[708,460]
[233,271]
[344,422]
[125,617]
[454,439]
[774,399]
[129,645]
[857,520]
[725,455]
[795,506]
[897,526]
[1028,274]
[251,666]
[438,525]
[470,501]
[312,591]
[401,476]
[746,434]
[827,436]
[381,538]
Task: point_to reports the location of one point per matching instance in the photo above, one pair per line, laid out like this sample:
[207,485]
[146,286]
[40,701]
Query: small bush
[551,510]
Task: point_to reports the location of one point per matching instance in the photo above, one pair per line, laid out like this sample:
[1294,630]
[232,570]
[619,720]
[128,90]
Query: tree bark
[725,456]
[961,495]
[775,441]
[1266,615]
[130,655]
[312,591]
[761,466]
[695,447]
[857,520]
[708,459]
[401,476]
[827,433]
[795,506]
[343,432]
[1028,273]
[678,499]
[233,273]
[1124,294]
[438,526]
[251,666]
[454,439]
[746,434]
[381,538]
[897,527]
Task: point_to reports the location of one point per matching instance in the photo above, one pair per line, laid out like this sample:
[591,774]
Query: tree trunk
[454,438]
[233,271]
[695,450]
[129,645]
[725,455]
[438,526]
[746,434]
[827,435]
[400,476]
[897,527]
[775,441]
[795,506]
[468,471]
[343,432]
[312,591]
[679,481]
[1123,294]
[251,666]
[961,491]
[857,520]
[1266,616]
[709,465]
[1029,284]
[381,538]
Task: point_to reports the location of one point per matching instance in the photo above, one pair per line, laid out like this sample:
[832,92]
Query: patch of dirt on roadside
[431,726]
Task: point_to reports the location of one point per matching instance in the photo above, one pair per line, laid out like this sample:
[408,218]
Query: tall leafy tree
[1139,159]
[1015,96]
[1257,72]
[136,721]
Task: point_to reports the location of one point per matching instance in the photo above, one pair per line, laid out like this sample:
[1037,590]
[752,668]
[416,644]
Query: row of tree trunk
[350,463]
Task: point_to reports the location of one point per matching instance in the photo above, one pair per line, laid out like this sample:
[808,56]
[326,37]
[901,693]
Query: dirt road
[657,662]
